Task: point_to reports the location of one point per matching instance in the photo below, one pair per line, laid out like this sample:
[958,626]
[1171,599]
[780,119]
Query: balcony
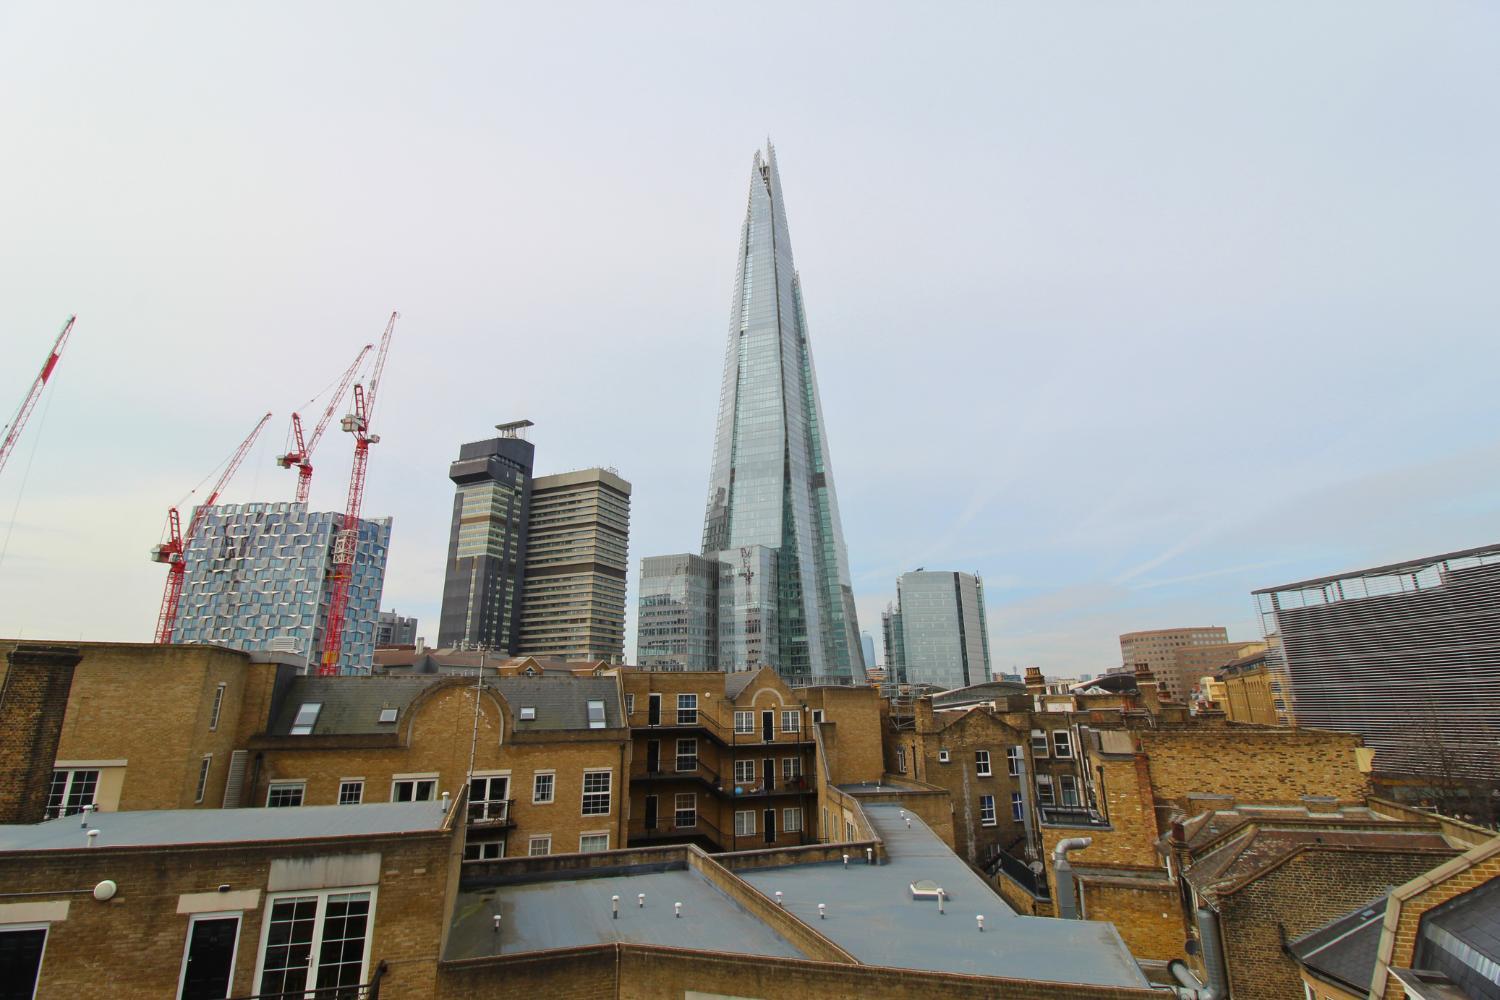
[362,991]
[491,813]
[1073,816]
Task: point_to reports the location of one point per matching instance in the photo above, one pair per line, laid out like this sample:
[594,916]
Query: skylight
[528,715]
[596,715]
[307,716]
[387,715]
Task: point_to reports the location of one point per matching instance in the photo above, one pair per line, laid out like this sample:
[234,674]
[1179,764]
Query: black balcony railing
[492,812]
[1020,872]
[362,991]
[1072,816]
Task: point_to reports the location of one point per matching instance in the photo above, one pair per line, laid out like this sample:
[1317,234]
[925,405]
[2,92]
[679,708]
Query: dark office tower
[773,518]
[482,589]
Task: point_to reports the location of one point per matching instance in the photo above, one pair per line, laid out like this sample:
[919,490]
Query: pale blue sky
[1132,308]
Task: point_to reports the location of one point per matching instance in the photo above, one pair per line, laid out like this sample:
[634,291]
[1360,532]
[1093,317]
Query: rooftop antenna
[514,429]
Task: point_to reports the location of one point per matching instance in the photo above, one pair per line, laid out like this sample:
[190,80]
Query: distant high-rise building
[939,625]
[393,630]
[772,520]
[895,644]
[1406,655]
[257,579]
[482,586]
[677,627]
[573,606]
[1158,649]
[867,643]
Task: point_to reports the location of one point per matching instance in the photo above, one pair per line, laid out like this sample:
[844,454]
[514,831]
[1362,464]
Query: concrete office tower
[677,627]
[393,630]
[482,586]
[772,516]
[944,638]
[1158,650]
[257,579]
[573,605]
[1406,655]
[895,643]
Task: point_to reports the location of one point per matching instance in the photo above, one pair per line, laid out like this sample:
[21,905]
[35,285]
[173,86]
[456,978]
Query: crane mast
[300,456]
[173,550]
[346,542]
[13,432]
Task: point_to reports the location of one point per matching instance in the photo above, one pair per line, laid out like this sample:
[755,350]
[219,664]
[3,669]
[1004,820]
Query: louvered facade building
[1406,655]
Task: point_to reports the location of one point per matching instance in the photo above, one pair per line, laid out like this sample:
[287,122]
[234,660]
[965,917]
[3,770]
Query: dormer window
[307,717]
[596,715]
[529,671]
[387,715]
[528,715]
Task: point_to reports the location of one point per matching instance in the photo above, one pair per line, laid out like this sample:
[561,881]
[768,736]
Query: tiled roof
[561,702]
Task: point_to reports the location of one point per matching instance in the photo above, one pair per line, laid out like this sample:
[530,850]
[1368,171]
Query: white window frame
[744,822]
[205,765]
[603,721]
[817,716]
[299,783]
[629,705]
[1044,781]
[218,707]
[345,783]
[317,942]
[73,773]
[982,764]
[1042,750]
[1017,806]
[239,931]
[415,780]
[744,722]
[46,928]
[791,721]
[744,766]
[791,819]
[608,793]
[593,833]
[1062,744]
[1063,783]
[791,769]
[490,813]
[551,788]
[482,845]
[687,709]
[901,760]
[944,757]
[311,709]
[677,808]
[545,839]
[1013,757]
[990,819]
[678,755]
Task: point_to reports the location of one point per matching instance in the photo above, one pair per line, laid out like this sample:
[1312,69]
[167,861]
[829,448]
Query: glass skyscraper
[772,522]
[939,627]
[772,513]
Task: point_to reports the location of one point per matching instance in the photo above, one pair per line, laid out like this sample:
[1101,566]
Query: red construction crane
[346,543]
[171,551]
[301,454]
[13,432]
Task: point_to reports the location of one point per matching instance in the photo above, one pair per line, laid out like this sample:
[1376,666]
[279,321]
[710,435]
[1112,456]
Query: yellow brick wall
[1254,765]
[1148,918]
[1409,919]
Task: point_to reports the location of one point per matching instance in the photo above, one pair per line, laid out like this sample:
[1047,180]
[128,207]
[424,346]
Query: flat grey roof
[169,827]
[540,916]
[872,915]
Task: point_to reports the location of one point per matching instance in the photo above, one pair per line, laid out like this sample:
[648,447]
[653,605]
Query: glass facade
[943,637]
[256,574]
[772,517]
[678,624]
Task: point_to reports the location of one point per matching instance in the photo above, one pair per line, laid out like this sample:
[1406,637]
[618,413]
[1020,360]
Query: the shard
[773,518]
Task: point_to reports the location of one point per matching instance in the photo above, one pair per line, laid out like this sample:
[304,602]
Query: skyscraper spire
[772,515]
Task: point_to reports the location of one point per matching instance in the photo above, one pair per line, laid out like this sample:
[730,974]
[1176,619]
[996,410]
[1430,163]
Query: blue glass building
[773,516]
[257,578]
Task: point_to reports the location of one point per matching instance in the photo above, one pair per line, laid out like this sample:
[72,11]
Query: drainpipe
[1067,905]
[1213,963]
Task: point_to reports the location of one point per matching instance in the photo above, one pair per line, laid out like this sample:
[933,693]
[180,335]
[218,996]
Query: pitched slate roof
[1344,951]
[561,701]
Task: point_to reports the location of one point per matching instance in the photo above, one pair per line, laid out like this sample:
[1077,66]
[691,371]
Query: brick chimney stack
[32,704]
[1145,683]
[1035,682]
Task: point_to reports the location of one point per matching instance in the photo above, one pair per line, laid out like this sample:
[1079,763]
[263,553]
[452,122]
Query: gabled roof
[1343,951]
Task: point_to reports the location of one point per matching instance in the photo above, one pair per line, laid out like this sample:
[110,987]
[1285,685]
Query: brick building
[1253,693]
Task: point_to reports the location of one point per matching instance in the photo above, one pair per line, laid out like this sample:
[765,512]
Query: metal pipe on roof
[1067,903]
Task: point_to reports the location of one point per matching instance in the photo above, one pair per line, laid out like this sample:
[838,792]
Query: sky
[1131,308]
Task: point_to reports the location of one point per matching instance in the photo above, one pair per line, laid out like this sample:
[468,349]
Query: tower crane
[173,550]
[346,542]
[301,454]
[13,432]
